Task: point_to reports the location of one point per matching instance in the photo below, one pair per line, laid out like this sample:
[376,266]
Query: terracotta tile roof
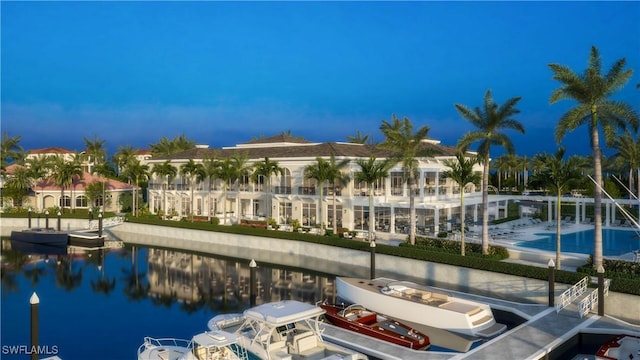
[142,152]
[11,169]
[81,184]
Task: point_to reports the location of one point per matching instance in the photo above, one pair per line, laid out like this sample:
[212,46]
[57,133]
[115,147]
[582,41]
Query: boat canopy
[283,312]
[217,338]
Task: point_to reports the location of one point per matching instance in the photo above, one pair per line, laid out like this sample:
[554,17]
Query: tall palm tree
[135,170]
[165,171]
[39,168]
[372,171]
[592,90]
[337,177]
[559,175]
[628,156]
[461,171]
[227,173]
[490,120]
[320,171]
[189,170]
[406,144]
[124,156]
[10,149]
[208,171]
[63,173]
[267,168]
[95,151]
[242,168]
[168,147]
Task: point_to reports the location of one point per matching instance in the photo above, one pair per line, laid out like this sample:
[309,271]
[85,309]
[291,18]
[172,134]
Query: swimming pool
[614,242]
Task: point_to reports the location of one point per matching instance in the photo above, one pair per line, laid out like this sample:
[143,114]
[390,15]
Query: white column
[549,210]
[577,212]
[436,217]
[392,220]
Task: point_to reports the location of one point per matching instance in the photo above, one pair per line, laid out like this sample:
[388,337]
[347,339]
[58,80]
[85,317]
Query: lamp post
[252,282]
[372,247]
[46,219]
[59,225]
[601,290]
[35,303]
[29,217]
[552,282]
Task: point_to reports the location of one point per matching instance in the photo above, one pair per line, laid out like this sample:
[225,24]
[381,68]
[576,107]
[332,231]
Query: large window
[361,217]
[397,184]
[285,212]
[330,216]
[81,201]
[65,201]
[285,183]
[309,214]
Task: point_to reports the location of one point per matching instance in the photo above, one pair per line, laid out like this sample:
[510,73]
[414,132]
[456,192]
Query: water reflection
[223,285]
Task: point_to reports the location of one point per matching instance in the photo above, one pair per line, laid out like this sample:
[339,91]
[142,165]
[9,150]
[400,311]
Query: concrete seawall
[348,263]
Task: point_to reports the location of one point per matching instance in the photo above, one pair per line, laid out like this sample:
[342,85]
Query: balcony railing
[306,190]
[282,189]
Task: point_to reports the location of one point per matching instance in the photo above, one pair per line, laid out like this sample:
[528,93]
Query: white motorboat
[287,330]
[424,305]
[621,347]
[210,345]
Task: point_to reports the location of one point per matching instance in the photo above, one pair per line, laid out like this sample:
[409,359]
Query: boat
[42,236]
[357,318]
[38,249]
[620,347]
[209,345]
[88,239]
[407,301]
[286,330]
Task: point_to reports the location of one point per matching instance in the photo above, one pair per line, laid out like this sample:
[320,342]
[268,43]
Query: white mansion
[292,196]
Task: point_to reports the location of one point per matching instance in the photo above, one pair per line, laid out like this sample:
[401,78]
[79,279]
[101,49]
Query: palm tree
[19,184]
[165,171]
[628,156]
[168,147]
[461,171]
[39,168]
[190,170]
[358,138]
[137,171]
[266,169]
[559,175]
[400,138]
[227,173]
[63,174]
[95,151]
[592,90]
[10,150]
[489,120]
[337,177]
[242,169]
[320,172]
[209,171]
[123,157]
[372,171]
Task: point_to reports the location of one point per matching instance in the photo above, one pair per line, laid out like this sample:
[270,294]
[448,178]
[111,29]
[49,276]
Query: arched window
[65,201]
[81,201]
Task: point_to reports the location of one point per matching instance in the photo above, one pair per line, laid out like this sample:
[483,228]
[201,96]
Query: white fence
[572,293]
[590,302]
[106,223]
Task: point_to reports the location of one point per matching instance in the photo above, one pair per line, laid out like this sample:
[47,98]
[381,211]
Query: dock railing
[590,302]
[106,223]
[572,293]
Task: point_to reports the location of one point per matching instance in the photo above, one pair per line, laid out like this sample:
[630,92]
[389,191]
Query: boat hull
[41,236]
[86,239]
[376,326]
[439,310]
[620,347]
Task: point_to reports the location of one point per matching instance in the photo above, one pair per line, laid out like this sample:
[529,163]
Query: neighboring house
[45,193]
[85,161]
[294,197]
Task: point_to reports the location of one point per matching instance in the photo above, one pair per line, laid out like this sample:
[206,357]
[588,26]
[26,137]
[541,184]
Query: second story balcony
[282,189]
[306,190]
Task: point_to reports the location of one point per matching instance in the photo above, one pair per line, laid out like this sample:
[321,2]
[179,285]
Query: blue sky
[225,72]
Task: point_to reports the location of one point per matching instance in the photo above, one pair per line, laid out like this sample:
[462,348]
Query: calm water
[100,304]
[614,242]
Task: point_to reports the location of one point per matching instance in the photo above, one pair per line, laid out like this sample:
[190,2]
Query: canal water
[100,304]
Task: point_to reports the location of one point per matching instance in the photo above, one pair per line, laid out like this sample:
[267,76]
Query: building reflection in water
[224,283]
